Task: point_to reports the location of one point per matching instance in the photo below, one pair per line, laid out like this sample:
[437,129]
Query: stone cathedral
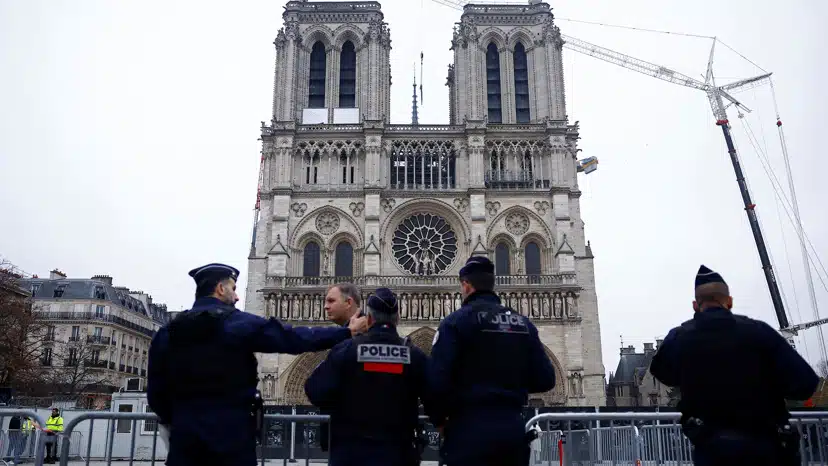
[346,196]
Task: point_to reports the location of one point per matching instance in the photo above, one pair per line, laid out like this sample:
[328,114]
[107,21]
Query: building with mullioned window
[346,196]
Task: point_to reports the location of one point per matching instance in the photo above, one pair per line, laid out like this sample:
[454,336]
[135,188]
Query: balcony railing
[74,338]
[513,179]
[46,362]
[70,362]
[429,306]
[87,316]
[97,340]
[96,364]
[395,282]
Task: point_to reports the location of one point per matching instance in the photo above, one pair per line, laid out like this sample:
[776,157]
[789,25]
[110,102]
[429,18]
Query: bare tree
[79,369]
[22,341]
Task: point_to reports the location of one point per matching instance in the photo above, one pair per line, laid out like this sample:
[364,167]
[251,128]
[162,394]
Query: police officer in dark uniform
[202,370]
[485,360]
[734,374]
[371,386]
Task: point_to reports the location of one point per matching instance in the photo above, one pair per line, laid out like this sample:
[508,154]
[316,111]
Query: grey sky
[128,142]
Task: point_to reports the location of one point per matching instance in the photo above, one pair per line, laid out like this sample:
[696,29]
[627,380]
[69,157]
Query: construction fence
[566,438]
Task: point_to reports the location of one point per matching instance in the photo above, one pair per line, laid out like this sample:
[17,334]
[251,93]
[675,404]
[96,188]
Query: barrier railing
[644,439]
[271,444]
[585,438]
[35,446]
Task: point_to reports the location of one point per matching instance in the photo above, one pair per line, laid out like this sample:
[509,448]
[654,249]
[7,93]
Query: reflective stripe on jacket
[55,424]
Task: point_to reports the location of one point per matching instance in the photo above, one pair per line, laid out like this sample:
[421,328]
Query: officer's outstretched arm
[798,378]
[272,336]
[541,371]
[324,385]
[158,395]
[440,369]
[665,363]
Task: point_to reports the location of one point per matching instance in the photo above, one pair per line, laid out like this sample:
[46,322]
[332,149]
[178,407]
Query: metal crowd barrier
[34,446]
[644,439]
[567,438]
[295,427]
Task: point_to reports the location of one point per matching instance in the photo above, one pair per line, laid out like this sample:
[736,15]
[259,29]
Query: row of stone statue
[428,306]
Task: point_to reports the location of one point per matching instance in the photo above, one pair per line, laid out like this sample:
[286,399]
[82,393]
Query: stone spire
[414,102]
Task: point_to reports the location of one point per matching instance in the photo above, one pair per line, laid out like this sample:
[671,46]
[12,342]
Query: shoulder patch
[379,352]
[436,336]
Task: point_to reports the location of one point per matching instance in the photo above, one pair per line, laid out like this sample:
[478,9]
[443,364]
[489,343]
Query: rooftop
[99,287]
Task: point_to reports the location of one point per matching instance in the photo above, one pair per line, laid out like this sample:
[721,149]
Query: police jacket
[732,371]
[371,386]
[202,373]
[485,356]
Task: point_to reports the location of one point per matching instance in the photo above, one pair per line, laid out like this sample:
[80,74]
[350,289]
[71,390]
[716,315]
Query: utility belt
[785,437]
[257,414]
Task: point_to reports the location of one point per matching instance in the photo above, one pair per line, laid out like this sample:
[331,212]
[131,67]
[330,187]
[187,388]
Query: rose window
[424,244]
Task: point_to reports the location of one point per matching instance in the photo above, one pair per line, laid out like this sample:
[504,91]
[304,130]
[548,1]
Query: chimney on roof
[628,350]
[103,278]
[648,348]
[56,275]
[659,341]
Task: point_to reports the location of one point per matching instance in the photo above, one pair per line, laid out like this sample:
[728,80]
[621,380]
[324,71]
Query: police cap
[383,300]
[705,276]
[213,272]
[477,265]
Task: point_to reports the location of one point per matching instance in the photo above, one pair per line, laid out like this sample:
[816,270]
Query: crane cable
[781,196]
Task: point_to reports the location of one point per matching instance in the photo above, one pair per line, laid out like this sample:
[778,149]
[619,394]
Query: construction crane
[717,95]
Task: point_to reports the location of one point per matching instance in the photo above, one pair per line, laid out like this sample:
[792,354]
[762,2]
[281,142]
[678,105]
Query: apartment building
[94,336]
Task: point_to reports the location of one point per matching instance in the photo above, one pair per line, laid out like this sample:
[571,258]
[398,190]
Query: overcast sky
[128,142]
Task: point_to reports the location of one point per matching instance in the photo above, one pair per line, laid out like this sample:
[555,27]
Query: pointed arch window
[316,77]
[311,260]
[521,84]
[344,260]
[533,258]
[502,266]
[493,83]
[347,76]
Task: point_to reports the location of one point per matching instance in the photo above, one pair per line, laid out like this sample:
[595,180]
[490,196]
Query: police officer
[370,385]
[485,361]
[342,302]
[202,370]
[734,374]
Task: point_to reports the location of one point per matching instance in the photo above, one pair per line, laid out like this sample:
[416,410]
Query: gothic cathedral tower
[346,196]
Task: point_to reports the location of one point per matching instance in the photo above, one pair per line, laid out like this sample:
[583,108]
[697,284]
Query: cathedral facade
[346,196]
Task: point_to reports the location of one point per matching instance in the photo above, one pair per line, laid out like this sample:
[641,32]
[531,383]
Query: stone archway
[422,338]
[297,373]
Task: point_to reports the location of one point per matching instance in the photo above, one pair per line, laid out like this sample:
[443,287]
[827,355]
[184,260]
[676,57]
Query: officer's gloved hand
[358,325]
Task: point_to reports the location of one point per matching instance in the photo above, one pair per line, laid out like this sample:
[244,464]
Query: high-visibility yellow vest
[55,424]
[27,426]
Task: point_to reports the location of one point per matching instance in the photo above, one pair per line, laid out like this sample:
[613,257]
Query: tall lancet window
[493,84]
[521,84]
[344,258]
[311,262]
[347,76]
[502,259]
[533,258]
[316,77]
